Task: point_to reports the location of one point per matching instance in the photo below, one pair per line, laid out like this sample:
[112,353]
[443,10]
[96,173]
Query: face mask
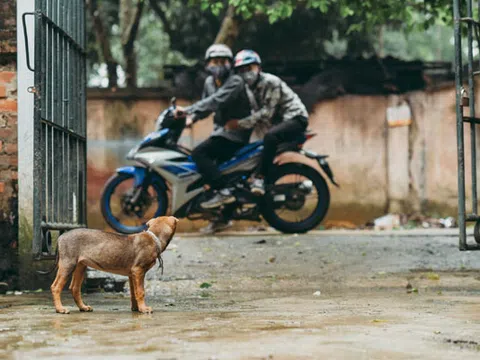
[219,71]
[250,77]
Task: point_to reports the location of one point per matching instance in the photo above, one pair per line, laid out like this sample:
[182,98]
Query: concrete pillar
[29,279]
[398,127]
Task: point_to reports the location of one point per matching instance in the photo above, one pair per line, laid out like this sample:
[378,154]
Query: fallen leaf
[433,276]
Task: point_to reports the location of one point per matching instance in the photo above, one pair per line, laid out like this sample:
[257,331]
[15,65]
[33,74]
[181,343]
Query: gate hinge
[32,89]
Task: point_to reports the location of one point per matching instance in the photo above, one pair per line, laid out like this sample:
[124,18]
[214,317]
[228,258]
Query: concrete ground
[342,295]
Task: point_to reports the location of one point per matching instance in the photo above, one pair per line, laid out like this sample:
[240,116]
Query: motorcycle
[164,177]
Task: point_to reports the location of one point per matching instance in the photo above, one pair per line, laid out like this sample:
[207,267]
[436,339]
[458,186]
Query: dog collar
[156,239]
[159,248]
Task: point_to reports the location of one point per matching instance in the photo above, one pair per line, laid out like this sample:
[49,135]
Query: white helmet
[218,51]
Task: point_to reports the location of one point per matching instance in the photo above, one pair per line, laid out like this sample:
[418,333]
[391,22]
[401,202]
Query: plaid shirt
[276,103]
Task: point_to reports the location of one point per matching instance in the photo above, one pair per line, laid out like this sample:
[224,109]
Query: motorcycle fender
[322,161]
[139,173]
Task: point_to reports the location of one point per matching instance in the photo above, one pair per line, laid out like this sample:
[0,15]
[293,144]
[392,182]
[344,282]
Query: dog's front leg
[132,294]
[138,275]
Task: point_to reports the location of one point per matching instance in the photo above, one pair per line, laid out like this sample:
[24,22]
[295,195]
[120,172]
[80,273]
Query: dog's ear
[150,222]
[168,228]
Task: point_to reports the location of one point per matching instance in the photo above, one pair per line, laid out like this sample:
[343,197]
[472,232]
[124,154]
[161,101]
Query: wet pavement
[342,296]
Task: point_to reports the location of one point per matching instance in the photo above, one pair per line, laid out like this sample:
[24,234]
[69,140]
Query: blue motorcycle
[165,179]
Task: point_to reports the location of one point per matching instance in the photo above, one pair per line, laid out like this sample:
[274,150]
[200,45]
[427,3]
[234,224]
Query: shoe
[221,197]
[216,226]
[258,187]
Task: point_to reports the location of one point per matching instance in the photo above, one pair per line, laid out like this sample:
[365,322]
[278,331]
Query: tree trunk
[129,23]
[112,74]
[103,43]
[154,4]
[381,41]
[229,29]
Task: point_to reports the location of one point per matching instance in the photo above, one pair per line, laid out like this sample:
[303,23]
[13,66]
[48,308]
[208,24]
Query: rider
[274,105]
[225,95]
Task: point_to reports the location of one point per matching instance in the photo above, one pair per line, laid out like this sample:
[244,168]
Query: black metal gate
[464,21]
[59,121]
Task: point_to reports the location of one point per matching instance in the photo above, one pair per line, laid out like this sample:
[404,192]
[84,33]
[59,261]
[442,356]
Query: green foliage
[367,14]
[433,44]
[282,29]
[154,51]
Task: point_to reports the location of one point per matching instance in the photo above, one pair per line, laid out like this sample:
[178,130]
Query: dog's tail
[53,267]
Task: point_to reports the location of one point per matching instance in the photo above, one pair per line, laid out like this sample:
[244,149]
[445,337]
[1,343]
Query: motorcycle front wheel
[126,208]
[296,199]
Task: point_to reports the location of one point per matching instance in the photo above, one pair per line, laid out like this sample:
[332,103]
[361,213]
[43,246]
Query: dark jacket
[228,102]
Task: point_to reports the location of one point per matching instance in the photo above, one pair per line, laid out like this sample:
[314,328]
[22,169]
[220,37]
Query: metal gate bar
[60,120]
[464,98]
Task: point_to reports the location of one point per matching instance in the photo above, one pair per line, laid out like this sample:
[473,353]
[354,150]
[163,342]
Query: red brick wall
[8,142]
[8,135]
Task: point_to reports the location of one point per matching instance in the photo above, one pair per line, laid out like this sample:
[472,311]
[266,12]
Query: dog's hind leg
[64,271]
[76,287]
[132,294]
[138,275]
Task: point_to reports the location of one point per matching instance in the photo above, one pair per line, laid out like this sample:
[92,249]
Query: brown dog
[131,256]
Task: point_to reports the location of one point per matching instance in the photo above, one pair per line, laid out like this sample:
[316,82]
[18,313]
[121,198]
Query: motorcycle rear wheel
[287,204]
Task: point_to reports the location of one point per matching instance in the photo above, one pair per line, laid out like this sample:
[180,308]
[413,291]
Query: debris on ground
[410,221]
[339,224]
[449,222]
[317,293]
[432,276]
[258,228]
[411,289]
[387,222]
[263,241]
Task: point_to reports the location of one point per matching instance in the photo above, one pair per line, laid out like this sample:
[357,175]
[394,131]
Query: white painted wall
[25,114]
